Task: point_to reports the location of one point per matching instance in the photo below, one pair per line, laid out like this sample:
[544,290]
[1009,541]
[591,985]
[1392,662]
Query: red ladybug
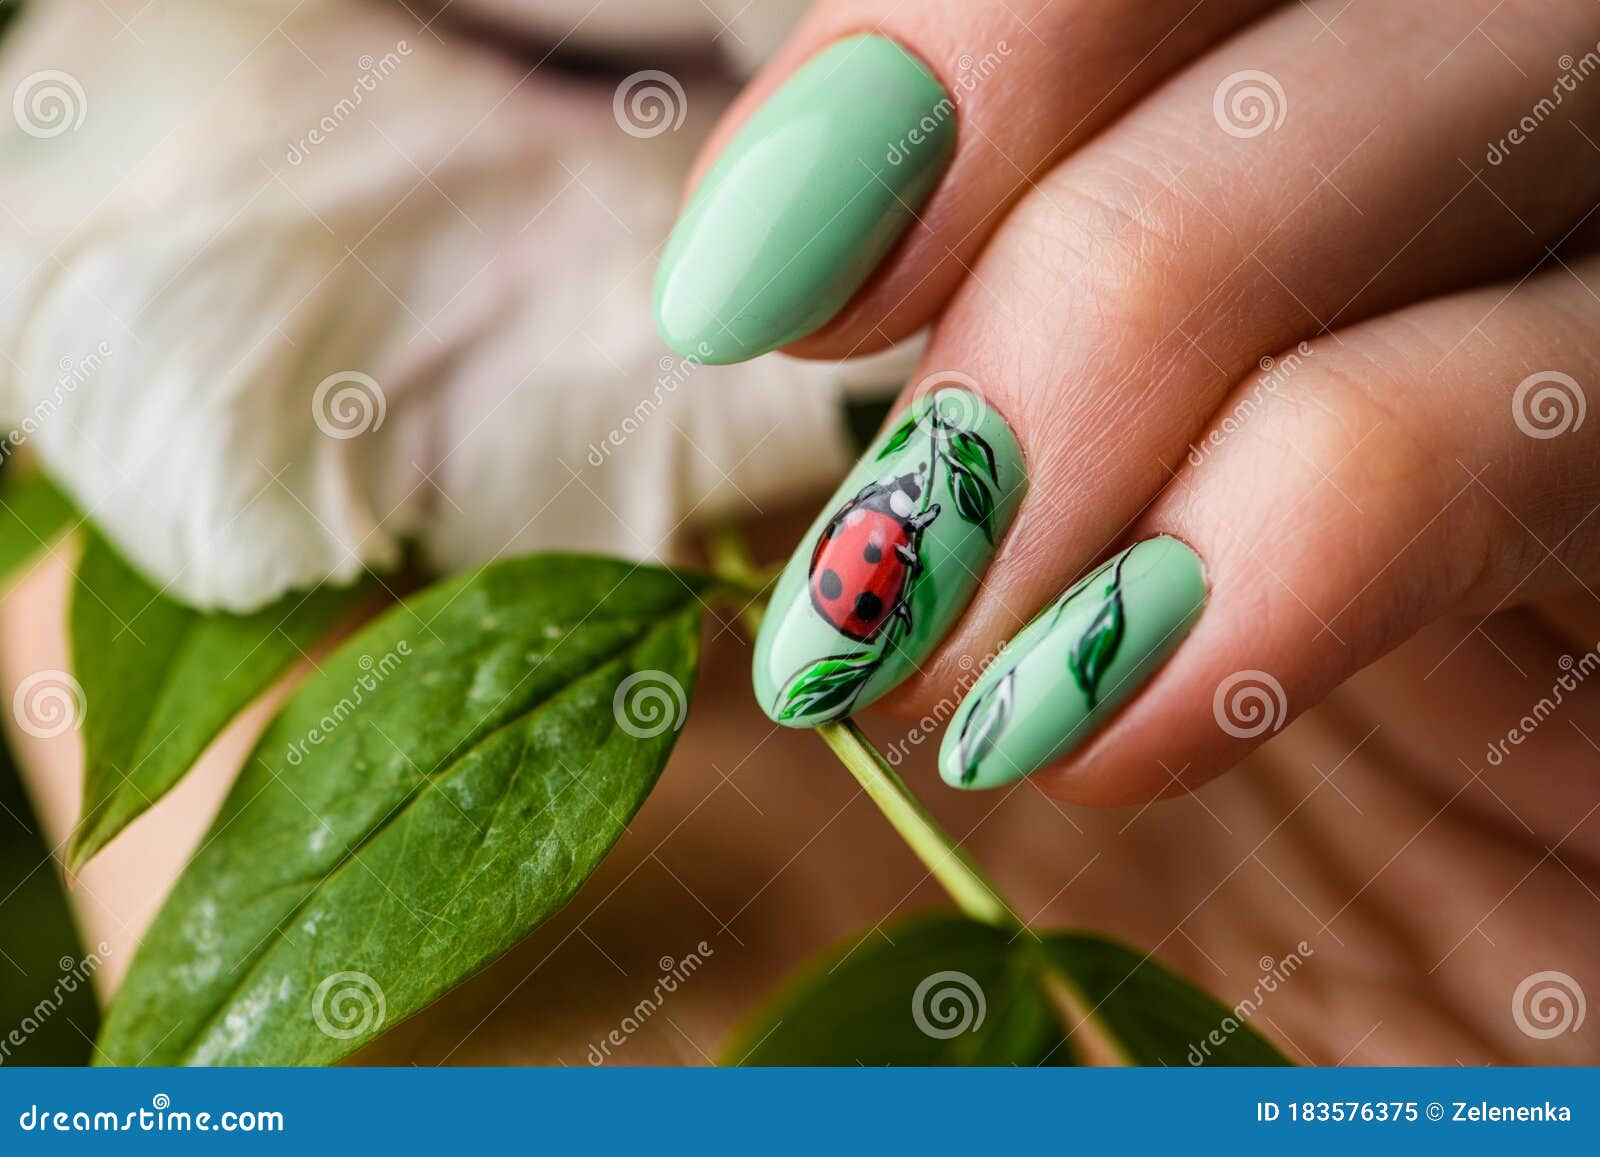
[866,556]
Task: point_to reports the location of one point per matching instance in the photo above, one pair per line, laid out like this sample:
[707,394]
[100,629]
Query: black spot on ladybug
[868,606]
[830,584]
[873,552]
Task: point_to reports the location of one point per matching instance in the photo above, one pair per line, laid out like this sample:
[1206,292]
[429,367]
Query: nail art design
[805,201]
[891,565]
[1085,655]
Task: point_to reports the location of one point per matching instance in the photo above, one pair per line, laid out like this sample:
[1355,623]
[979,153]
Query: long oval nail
[892,561]
[1070,668]
[804,201]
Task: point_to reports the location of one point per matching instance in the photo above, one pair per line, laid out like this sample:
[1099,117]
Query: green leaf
[32,513]
[940,990]
[162,680]
[984,724]
[1154,1015]
[946,990]
[826,685]
[974,499]
[47,995]
[1094,650]
[898,439]
[444,784]
[975,454]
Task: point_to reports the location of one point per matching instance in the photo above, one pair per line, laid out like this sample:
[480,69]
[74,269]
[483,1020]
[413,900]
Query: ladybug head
[901,493]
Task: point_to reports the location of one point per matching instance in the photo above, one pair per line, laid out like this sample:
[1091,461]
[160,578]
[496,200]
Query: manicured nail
[1070,668]
[892,560]
[804,201]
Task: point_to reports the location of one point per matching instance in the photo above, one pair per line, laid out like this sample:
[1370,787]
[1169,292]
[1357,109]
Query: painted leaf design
[985,723]
[974,499]
[827,686]
[1095,649]
[975,454]
[898,439]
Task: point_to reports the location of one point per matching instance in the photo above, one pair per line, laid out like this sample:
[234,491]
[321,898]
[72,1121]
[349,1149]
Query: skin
[1379,536]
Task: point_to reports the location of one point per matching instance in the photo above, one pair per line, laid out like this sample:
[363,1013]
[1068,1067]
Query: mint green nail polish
[1075,664]
[804,201]
[891,561]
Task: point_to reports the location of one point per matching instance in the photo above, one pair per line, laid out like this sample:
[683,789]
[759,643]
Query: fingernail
[804,201]
[1076,663]
[892,560]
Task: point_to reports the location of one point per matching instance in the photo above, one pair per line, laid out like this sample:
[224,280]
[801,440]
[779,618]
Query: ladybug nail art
[866,557]
[892,562]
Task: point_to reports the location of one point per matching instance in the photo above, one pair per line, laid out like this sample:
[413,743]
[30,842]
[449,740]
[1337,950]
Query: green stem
[973,891]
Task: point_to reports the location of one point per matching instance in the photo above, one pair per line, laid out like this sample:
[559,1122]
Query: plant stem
[972,890]
[974,893]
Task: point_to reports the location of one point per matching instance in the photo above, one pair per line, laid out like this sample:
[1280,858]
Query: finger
[1433,460]
[878,118]
[1153,269]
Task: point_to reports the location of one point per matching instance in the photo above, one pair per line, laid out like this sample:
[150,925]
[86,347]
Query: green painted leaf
[162,680]
[826,685]
[899,438]
[941,990]
[445,783]
[32,514]
[1154,1015]
[975,454]
[974,499]
[985,723]
[1094,650]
